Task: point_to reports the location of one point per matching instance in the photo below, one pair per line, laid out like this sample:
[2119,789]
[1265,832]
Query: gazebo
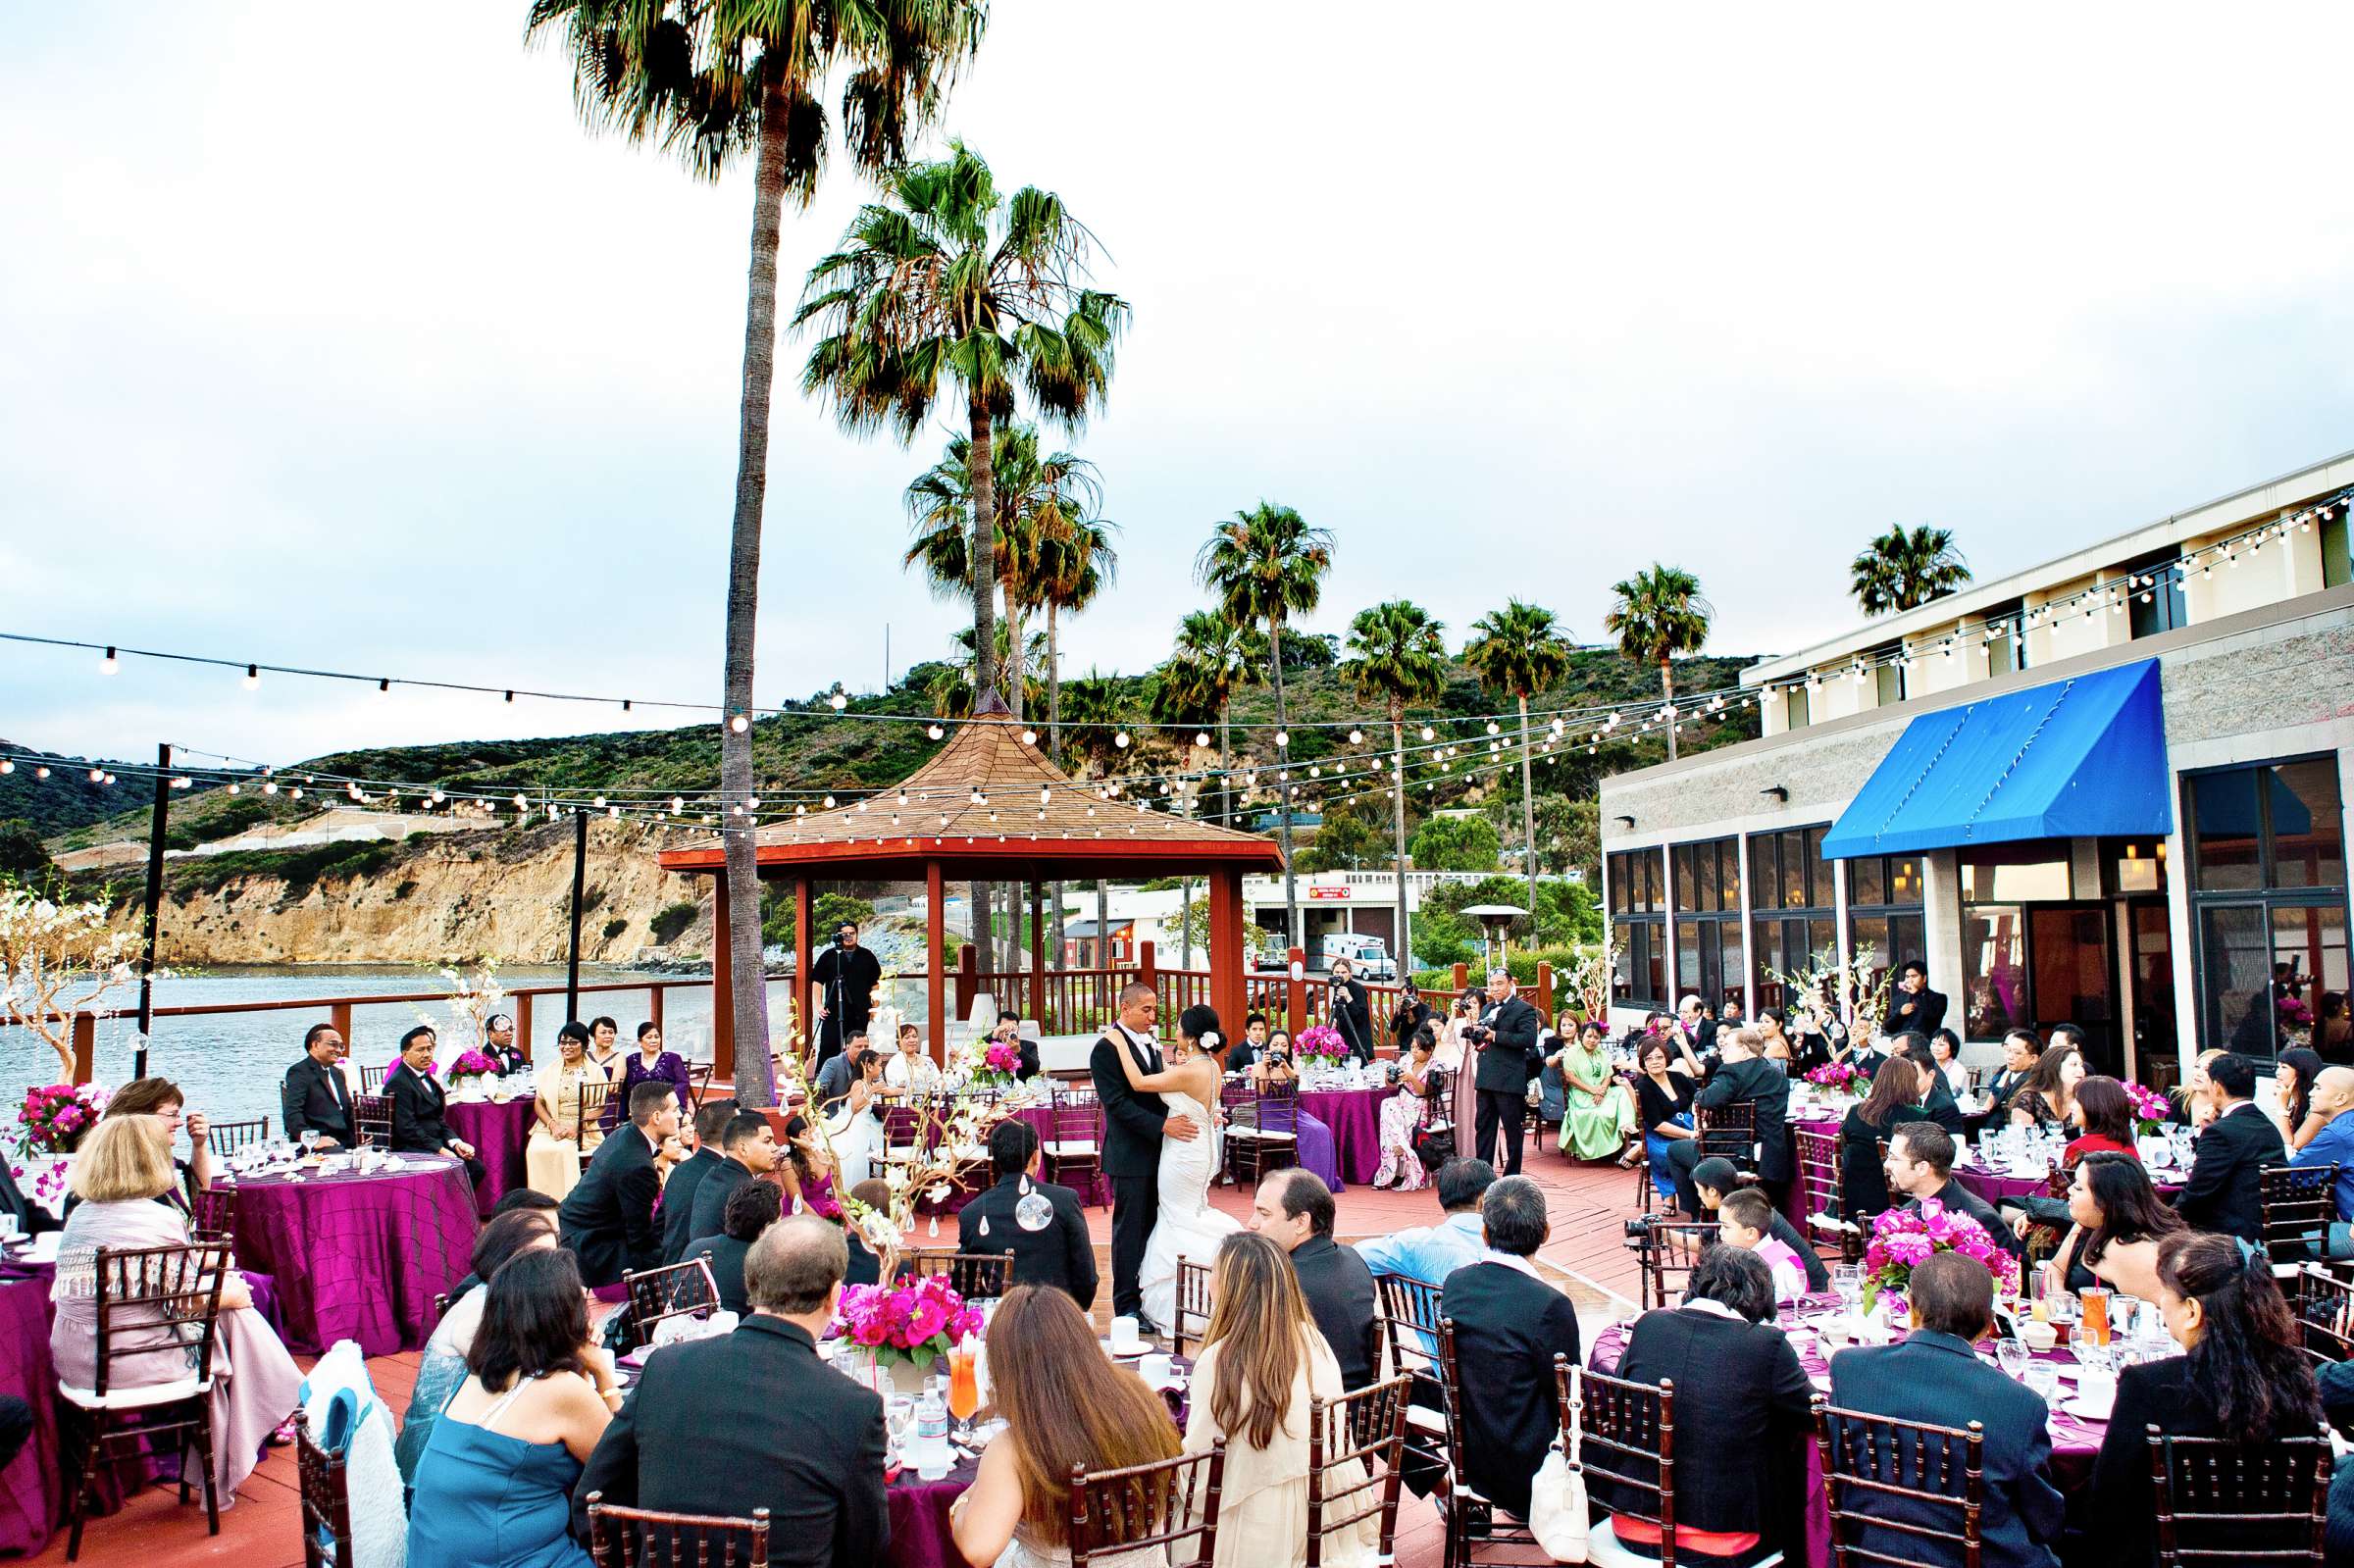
[988,808]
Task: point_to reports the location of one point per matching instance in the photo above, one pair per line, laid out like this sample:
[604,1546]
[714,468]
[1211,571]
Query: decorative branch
[48,949]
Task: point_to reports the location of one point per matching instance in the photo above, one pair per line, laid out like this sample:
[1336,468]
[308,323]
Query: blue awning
[2077,758]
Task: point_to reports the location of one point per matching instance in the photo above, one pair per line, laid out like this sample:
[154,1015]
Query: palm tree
[710,81]
[944,280]
[1906,567]
[1519,651]
[1100,705]
[1074,562]
[1657,615]
[1215,658]
[1396,656]
[1268,565]
[949,688]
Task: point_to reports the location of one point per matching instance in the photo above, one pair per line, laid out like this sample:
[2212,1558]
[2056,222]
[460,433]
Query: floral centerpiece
[52,1123]
[908,1326]
[1319,1042]
[1904,1239]
[2296,1020]
[2151,1110]
[993,1062]
[1839,1078]
[467,1073]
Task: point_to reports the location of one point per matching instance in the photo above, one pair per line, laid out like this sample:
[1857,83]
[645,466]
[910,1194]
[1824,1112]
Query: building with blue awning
[2104,792]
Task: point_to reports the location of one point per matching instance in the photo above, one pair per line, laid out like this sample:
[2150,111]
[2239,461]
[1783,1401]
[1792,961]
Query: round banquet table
[1995,1185]
[2075,1440]
[498,1133]
[359,1257]
[30,1487]
[1355,1117]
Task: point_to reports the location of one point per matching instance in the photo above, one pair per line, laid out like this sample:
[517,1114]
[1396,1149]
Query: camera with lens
[1639,1228]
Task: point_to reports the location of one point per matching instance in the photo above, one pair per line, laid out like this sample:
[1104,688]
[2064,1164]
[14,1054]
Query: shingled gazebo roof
[988,800]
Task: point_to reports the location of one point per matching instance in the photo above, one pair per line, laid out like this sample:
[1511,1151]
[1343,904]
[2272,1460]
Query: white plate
[2076,1405]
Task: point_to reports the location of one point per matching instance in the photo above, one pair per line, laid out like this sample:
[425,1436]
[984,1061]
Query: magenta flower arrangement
[2151,1110]
[1839,1077]
[911,1322]
[1904,1239]
[55,1116]
[1001,1060]
[472,1064]
[2294,1013]
[1319,1042]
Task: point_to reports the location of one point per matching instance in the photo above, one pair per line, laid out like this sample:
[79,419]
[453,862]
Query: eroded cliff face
[502,892]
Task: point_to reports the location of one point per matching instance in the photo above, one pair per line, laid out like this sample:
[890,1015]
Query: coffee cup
[1126,1338]
[1154,1367]
[2096,1389]
[2038,1335]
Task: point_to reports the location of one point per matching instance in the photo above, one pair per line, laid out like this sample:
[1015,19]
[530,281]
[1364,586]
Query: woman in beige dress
[1262,1361]
[557,1150]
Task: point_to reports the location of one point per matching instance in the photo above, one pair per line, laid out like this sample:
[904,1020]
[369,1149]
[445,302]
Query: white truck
[1370,956]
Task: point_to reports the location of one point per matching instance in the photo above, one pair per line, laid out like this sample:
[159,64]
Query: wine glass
[2012,1356]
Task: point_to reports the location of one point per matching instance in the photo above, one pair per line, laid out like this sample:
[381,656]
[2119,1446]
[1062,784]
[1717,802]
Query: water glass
[8,1230]
[2014,1357]
[1847,1280]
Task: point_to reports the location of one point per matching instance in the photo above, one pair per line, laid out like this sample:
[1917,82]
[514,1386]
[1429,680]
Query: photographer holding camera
[1352,1012]
[1506,1039]
[845,974]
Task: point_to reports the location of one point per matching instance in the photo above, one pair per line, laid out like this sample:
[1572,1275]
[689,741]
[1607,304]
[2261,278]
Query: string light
[253,677]
[110,664]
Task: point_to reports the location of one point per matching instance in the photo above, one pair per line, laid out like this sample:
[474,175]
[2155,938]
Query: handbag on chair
[1557,1498]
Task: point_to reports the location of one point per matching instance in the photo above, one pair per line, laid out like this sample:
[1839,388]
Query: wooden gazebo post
[936,944]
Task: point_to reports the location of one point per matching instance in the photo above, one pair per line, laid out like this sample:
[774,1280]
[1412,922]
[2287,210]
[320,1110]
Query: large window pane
[1729,970]
[1991,880]
[1764,873]
[1621,877]
[1819,891]
[2236,979]
[2225,830]
[1681,857]
[2309,955]
[1655,963]
[1867,881]
[1903,880]
[1765,942]
[2307,847]
[1994,981]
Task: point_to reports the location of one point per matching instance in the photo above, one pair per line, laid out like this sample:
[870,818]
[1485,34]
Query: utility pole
[156,819]
[580,877]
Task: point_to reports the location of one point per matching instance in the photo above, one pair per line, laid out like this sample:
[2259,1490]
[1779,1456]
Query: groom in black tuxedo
[1134,1124]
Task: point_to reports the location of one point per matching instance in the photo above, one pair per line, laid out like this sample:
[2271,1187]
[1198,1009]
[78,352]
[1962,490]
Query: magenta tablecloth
[359,1257]
[498,1133]
[2076,1442]
[30,1488]
[1994,1187]
[1355,1117]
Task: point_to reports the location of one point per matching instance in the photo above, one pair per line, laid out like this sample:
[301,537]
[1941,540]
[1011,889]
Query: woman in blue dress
[496,1483]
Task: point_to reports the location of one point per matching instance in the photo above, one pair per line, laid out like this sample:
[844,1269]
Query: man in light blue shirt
[2334,1144]
[1434,1251]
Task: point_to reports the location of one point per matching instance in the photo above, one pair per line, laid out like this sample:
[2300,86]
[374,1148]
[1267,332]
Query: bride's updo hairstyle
[1198,1023]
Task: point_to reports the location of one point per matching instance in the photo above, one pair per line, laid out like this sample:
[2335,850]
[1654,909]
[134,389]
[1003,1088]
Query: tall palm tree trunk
[746,1001]
[1667,692]
[1405,953]
[1054,752]
[1528,821]
[982,474]
[1283,792]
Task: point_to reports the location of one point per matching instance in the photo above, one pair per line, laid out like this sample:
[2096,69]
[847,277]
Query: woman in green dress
[1600,1116]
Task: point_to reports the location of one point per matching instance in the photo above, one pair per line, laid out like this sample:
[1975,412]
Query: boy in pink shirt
[1744,1220]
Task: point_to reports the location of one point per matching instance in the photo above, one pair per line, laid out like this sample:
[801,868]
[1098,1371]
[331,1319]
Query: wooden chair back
[643,1537]
[1868,1460]
[372,1120]
[1502,1531]
[2299,1203]
[1192,1312]
[1626,1442]
[676,1290]
[372,1079]
[2324,1307]
[1730,1132]
[2221,1503]
[1410,1311]
[1279,1107]
[226,1138]
[985,1275]
[699,1083]
[326,1500]
[1168,1508]
[1355,1444]
[1818,1155]
[595,1100]
[156,1301]
[213,1214]
[1670,1249]
[1073,1143]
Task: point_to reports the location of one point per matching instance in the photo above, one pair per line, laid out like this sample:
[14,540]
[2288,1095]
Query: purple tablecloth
[1994,1187]
[359,1257]
[30,1488]
[498,1133]
[1353,1116]
[920,1535]
[2076,1442]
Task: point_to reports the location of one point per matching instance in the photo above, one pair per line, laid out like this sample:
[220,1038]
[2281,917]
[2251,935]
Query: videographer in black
[845,974]
[1352,1010]
[1505,1037]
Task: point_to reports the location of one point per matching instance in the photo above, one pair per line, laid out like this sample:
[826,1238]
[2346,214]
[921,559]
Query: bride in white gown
[1186,1227]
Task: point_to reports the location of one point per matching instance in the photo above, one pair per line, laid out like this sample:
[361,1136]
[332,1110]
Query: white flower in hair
[1210,1041]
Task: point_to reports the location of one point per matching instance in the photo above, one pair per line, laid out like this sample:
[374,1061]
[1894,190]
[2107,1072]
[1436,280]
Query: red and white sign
[1318,893]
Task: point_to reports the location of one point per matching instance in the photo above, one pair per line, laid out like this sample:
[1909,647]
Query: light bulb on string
[1356,737]
[110,664]
[1202,737]
[1427,732]
[1120,739]
[1491,727]
[829,803]
[1029,738]
[740,723]
[97,774]
[934,731]
[1282,738]
[253,676]
[839,699]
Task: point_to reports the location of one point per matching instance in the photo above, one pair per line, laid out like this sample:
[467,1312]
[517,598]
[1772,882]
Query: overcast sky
[330,337]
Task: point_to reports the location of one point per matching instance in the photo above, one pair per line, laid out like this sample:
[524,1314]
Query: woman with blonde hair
[121,1168]
[1262,1361]
[1064,1405]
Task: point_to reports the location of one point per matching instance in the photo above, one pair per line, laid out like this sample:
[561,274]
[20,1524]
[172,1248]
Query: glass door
[2150,960]
[2069,977]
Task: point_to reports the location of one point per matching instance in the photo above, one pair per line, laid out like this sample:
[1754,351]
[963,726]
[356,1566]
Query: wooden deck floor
[1586,1256]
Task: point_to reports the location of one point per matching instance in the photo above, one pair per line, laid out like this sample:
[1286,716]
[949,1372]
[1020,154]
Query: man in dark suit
[2021,1050]
[314,1096]
[1134,1125]
[1914,1009]
[846,975]
[1508,1057]
[1509,1326]
[1935,1377]
[1242,1052]
[1352,1010]
[1921,1170]
[1743,1076]
[2225,1189]
[754,1420]
[678,1193]
[1936,1097]
[1700,1030]
[747,1147]
[418,1105]
[1293,1208]
[608,1219]
[752,1208]
[1053,1250]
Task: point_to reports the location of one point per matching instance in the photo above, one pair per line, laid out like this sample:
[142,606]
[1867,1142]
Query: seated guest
[846,1067]
[1293,1208]
[1431,1252]
[1508,1324]
[1921,1170]
[1663,1092]
[124,1165]
[563,1139]
[752,1208]
[2225,1189]
[2021,1050]
[1065,1406]
[1745,1220]
[418,1105]
[1863,1178]
[2105,1113]
[443,1366]
[2333,1143]
[504,1453]
[1742,1414]
[1262,1362]
[162,1100]
[498,1044]
[1245,1051]
[747,1147]
[314,1099]
[1945,1048]
[754,1419]
[2117,1222]
[604,1049]
[2241,1376]
[1714,1178]
[1936,1097]
[678,1192]
[649,1063]
[2049,1091]
[1934,1377]
[521,1197]
[608,1220]
[864,1268]
[2294,1073]
[1058,1252]
[1743,1077]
